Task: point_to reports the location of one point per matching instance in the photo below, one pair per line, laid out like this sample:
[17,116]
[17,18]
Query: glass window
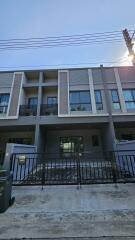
[85,97]
[80,101]
[32,101]
[129,96]
[52,100]
[98,99]
[74,97]
[115,99]
[4,99]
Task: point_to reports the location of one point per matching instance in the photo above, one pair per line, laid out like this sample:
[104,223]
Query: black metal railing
[80,107]
[84,168]
[3,109]
[28,110]
[49,109]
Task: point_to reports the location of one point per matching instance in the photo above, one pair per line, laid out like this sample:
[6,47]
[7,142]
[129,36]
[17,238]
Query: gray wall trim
[39,93]
[63,93]
[92,94]
[120,92]
[15,99]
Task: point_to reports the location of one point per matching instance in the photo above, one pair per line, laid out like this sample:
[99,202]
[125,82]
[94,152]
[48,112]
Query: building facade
[70,110]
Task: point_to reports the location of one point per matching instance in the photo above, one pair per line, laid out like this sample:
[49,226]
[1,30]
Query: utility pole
[129,45]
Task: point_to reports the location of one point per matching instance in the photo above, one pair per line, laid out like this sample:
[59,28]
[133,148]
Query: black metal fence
[28,110]
[49,109]
[74,168]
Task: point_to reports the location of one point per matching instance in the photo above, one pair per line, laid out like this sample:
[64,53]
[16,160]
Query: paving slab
[65,212]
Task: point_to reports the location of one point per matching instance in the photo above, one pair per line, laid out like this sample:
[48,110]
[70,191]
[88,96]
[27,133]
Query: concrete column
[92,94]
[39,93]
[37,140]
[110,134]
[120,92]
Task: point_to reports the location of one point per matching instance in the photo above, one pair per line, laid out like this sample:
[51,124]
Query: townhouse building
[67,110]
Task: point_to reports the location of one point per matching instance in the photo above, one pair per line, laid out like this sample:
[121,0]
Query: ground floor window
[69,145]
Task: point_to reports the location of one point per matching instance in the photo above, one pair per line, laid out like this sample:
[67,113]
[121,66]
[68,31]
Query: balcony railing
[3,109]
[80,107]
[28,110]
[49,109]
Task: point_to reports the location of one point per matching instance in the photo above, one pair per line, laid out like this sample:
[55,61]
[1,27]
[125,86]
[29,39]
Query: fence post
[11,161]
[78,170]
[43,172]
[113,165]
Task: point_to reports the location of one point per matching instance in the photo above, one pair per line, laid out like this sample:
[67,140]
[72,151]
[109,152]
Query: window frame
[80,104]
[52,104]
[31,98]
[98,103]
[115,101]
[4,107]
[130,101]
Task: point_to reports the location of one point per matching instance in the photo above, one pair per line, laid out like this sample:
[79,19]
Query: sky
[43,18]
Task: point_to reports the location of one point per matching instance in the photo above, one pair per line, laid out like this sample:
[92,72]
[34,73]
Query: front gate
[73,168]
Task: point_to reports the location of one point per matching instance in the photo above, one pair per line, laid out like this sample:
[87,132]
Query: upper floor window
[52,100]
[129,96]
[98,98]
[32,101]
[80,101]
[4,99]
[115,99]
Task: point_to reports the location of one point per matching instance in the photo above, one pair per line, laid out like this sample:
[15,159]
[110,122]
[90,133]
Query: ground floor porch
[68,138]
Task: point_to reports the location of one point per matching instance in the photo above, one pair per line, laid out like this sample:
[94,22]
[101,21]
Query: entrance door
[69,145]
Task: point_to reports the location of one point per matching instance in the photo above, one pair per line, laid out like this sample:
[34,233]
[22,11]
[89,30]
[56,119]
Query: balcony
[80,107]
[3,109]
[47,109]
[28,110]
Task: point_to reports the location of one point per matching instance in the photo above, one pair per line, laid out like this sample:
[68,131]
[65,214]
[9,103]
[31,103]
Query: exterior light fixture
[22,159]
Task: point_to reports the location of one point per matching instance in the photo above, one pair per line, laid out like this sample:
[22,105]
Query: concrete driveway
[65,212]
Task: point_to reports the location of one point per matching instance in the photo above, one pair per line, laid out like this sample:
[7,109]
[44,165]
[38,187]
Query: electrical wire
[61,41]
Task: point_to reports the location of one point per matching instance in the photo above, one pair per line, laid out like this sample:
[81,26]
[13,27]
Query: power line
[59,45]
[61,41]
[65,36]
